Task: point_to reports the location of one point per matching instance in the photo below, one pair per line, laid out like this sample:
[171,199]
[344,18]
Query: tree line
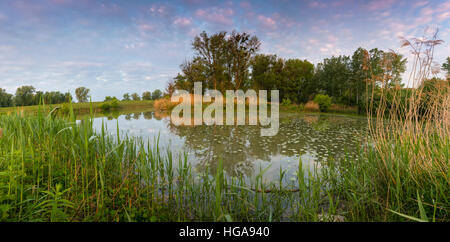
[224,61]
[27,96]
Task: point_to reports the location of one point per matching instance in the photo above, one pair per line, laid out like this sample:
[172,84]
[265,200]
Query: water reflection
[314,138]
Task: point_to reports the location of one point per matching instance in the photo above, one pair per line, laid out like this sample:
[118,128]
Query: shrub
[163,104]
[286,101]
[105,106]
[114,104]
[324,102]
[311,106]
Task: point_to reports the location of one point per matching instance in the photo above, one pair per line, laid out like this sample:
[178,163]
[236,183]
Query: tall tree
[126,97]
[147,96]
[135,97]
[446,67]
[241,48]
[82,94]
[156,94]
[221,60]
[6,99]
[24,95]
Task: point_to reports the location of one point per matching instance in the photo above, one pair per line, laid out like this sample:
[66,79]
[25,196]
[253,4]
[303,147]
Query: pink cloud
[216,15]
[146,27]
[267,22]
[317,4]
[182,21]
[245,4]
[443,16]
[420,4]
[380,4]
[159,10]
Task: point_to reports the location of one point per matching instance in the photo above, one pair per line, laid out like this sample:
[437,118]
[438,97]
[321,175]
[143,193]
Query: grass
[164,104]
[77,107]
[55,169]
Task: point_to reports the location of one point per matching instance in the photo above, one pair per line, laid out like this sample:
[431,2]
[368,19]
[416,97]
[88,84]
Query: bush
[114,104]
[286,101]
[311,106]
[164,104]
[324,102]
[105,106]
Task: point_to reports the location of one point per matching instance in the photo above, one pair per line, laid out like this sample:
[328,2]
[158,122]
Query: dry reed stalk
[401,126]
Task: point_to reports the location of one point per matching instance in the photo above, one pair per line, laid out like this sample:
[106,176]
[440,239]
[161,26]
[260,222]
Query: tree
[220,62]
[6,99]
[109,99]
[242,47]
[296,77]
[38,98]
[126,97]
[156,94]
[332,76]
[147,96]
[170,88]
[265,72]
[68,97]
[24,96]
[82,94]
[135,97]
[446,67]
[394,66]
[324,102]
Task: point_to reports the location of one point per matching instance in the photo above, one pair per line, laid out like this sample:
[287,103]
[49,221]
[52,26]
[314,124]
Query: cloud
[375,5]
[182,21]
[216,15]
[317,4]
[420,4]
[267,22]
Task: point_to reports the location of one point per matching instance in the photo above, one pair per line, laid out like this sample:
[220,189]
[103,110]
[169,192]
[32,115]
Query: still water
[312,139]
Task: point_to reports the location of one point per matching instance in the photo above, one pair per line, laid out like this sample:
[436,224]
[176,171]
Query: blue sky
[113,47]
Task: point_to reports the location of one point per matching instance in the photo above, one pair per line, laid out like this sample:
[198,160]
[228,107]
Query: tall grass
[405,175]
[54,169]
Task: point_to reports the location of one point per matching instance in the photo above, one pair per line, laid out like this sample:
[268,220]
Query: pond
[307,137]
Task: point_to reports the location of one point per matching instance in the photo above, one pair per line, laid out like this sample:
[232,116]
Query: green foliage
[82,94]
[286,101]
[109,99]
[446,67]
[56,169]
[105,106]
[112,104]
[220,62]
[24,96]
[324,102]
[6,99]
[146,95]
[135,97]
[126,97]
[157,94]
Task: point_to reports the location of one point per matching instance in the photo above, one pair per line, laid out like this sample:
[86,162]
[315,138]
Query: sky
[114,47]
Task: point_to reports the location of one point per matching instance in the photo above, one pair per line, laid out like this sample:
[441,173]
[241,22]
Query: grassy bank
[81,108]
[164,104]
[55,170]
[52,169]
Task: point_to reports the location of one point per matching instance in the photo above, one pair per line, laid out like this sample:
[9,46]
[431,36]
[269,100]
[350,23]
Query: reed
[58,169]
[405,172]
